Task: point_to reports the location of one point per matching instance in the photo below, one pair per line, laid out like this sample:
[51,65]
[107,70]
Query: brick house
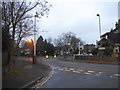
[114,36]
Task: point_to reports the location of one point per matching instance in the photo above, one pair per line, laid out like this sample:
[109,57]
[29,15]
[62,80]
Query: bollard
[54,56]
[46,56]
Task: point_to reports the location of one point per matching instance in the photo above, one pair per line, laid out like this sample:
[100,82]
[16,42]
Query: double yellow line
[42,82]
[45,79]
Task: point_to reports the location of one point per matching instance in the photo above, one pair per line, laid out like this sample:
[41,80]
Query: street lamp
[99,25]
[68,47]
[34,56]
[79,47]
[30,41]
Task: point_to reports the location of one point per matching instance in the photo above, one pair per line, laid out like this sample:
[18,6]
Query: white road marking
[77,72]
[111,76]
[71,68]
[97,74]
[74,71]
[100,72]
[90,71]
[60,69]
[67,70]
[81,70]
[55,68]
[87,73]
[116,75]
[38,81]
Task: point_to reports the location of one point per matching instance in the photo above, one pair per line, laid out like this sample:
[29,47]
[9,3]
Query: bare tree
[15,17]
[68,40]
[49,39]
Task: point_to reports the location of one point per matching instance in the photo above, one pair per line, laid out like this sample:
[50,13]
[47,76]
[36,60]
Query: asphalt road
[81,75]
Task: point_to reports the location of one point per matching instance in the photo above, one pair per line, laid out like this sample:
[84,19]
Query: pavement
[30,74]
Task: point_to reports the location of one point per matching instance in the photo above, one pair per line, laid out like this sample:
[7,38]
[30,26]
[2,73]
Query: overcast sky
[79,17]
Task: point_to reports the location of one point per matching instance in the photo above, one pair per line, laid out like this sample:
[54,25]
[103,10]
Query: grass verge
[16,72]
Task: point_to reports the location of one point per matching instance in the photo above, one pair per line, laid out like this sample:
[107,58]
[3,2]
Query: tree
[108,44]
[15,18]
[40,46]
[67,41]
[44,47]
[94,51]
[49,39]
[49,48]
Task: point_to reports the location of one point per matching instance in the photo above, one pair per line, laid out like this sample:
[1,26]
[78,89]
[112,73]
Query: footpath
[30,73]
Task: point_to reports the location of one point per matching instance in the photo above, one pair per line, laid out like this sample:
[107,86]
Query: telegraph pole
[79,47]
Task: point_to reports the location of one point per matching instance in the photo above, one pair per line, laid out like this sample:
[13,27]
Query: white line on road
[90,71]
[60,69]
[87,73]
[111,76]
[74,71]
[116,75]
[100,72]
[67,70]
[77,72]
[80,70]
[71,68]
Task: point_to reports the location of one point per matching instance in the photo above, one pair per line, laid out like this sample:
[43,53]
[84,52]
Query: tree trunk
[11,60]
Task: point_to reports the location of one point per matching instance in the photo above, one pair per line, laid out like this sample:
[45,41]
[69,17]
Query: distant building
[114,36]
[87,49]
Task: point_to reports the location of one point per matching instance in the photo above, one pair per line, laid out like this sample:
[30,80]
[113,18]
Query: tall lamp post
[34,56]
[99,25]
[79,47]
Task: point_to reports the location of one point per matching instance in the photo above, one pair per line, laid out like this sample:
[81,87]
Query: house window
[106,36]
[117,49]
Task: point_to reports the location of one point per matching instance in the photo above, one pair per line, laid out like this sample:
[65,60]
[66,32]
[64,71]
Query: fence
[103,58]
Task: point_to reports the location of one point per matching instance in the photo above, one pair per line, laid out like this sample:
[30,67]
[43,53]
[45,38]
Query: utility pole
[79,47]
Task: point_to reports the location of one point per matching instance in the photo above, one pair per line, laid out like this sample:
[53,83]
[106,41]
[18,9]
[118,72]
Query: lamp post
[79,47]
[99,25]
[68,47]
[34,56]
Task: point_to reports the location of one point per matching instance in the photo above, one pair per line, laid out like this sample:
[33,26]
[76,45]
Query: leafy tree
[108,44]
[108,51]
[105,42]
[94,51]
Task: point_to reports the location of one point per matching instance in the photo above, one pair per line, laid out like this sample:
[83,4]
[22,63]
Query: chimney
[119,23]
[116,25]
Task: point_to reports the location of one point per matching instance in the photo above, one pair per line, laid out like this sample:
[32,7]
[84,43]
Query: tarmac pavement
[30,74]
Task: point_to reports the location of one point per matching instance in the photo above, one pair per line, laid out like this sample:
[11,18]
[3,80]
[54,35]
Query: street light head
[36,13]
[30,41]
[69,44]
[98,15]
